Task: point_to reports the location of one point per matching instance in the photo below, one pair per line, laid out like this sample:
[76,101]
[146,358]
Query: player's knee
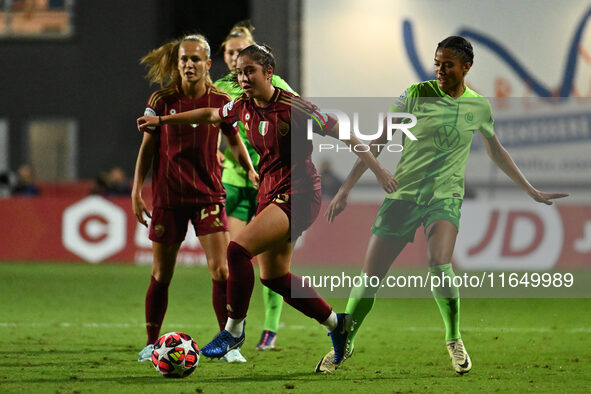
[162,274]
[219,273]
[237,253]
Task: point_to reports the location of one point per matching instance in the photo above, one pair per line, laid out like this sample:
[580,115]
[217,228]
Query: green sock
[448,301]
[360,302]
[273,306]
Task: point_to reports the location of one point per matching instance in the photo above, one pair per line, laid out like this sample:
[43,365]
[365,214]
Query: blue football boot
[221,344]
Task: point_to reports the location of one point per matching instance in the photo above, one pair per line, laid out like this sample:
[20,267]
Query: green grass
[78,328]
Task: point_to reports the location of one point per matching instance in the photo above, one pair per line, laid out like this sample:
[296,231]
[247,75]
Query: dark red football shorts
[301,209]
[169,225]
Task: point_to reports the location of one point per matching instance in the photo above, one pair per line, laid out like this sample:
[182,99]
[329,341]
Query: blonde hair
[241,29]
[162,62]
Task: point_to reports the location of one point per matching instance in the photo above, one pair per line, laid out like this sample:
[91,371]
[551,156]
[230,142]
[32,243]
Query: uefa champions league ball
[175,355]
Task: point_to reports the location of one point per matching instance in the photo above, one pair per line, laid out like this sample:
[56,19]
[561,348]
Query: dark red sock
[240,280]
[306,299]
[156,303]
[219,301]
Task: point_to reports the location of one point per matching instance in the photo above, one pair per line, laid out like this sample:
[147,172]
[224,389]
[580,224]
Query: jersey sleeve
[403,102]
[226,128]
[154,107]
[321,122]
[487,125]
[229,112]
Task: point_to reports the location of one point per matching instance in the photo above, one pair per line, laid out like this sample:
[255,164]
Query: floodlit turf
[78,328]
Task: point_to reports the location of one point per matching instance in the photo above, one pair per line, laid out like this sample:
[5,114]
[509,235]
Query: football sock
[235,327]
[240,280]
[447,297]
[273,306]
[156,304]
[301,295]
[219,301]
[331,323]
[360,302]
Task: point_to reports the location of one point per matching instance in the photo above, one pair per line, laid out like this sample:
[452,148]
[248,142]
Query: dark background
[95,76]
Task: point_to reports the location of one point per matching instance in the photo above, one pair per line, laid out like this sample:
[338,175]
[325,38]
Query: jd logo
[446,137]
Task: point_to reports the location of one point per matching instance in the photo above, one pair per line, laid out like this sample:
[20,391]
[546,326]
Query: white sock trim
[235,327]
[331,322]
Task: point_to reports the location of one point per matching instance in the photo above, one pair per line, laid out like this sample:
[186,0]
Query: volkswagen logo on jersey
[446,137]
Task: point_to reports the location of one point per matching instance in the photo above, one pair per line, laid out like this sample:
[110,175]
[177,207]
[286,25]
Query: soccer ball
[175,355]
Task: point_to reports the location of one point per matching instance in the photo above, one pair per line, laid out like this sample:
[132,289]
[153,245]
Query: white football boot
[459,356]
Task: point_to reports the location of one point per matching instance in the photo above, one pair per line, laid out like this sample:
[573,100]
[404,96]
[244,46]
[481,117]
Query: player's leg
[273,303]
[270,226]
[240,209]
[381,252]
[241,205]
[156,301]
[211,226]
[215,246]
[441,237]
[168,228]
[274,265]
[394,226]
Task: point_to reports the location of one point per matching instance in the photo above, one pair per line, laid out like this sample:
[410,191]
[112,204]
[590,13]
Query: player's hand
[220,158]
[545,198]
[139,208]
[254,178]
[147,121]
[336,206]
[386,179]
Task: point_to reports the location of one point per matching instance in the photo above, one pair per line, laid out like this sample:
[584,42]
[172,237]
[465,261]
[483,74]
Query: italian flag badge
[263,127]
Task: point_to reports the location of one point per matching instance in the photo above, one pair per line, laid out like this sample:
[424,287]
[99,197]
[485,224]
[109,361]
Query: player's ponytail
[461,46]
[162,64]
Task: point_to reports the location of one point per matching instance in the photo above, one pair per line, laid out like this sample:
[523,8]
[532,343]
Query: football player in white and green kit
[430,190]
[241,197]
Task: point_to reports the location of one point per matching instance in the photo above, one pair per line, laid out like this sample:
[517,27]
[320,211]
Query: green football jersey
[234,174]
[432,167]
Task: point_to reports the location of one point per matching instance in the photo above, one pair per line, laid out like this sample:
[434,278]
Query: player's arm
[339,201]
[142,166]
[503,160]
[200,115]
[240,152]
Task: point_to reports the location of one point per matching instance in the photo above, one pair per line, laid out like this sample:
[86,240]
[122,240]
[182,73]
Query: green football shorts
[400,219]
[241,202]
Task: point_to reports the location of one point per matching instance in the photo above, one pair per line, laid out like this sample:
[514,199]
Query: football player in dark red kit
[289,182]
[186,178]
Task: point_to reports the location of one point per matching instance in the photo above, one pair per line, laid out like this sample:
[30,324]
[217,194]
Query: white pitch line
[578,330]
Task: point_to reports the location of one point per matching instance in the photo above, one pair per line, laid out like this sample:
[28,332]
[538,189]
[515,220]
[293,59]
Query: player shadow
[73,378]
[295,377]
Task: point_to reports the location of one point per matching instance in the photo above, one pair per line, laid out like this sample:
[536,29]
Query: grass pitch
[78,328]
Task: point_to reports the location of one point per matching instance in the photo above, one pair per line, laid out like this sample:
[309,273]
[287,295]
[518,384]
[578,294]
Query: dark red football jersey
[278,134]
[185,169]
